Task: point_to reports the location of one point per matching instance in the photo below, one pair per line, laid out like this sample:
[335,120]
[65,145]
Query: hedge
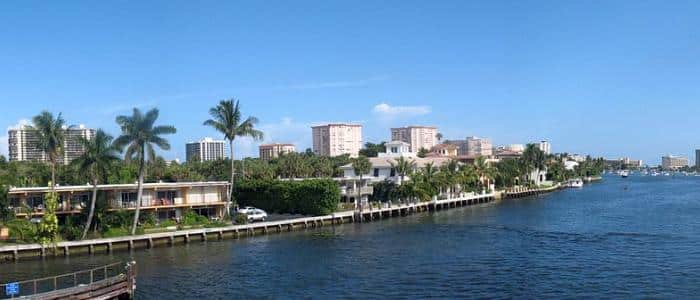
[307,197]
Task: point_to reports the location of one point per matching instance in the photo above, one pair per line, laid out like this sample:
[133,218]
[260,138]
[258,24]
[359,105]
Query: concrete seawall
[107,245]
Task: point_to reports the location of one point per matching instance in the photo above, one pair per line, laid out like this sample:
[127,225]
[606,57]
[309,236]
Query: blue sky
[609,78]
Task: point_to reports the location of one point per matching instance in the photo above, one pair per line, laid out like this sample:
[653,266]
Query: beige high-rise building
[479,146]
[420,137]
[23,144]
[337,139]
[671,162]
[270,151]
[545,146]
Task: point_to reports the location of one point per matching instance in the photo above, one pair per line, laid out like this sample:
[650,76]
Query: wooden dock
[113,281]
[526,192]
[107,245]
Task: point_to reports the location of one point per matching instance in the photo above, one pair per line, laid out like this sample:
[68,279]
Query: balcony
[349,191]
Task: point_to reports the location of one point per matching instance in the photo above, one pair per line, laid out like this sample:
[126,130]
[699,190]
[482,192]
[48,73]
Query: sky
[606,78]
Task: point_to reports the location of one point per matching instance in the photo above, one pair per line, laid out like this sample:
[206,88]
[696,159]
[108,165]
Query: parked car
[256,215]
[245,210]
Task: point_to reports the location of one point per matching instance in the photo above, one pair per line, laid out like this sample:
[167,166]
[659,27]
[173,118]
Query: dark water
[635,237]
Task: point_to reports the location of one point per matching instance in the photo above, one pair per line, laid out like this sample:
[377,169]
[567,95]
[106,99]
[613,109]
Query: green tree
[50,137]
[48,228]
[138,138]
[403,167]
[360,166]
[99,155]
[422,152]
[372,149]
[533,159]
[6,214]
[226,118]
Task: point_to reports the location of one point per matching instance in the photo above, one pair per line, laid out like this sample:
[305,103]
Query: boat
[624,173]
[575,183]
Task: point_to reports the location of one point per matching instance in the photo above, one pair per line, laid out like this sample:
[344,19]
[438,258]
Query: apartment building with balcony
[419,137]
[205,150]
[165,200]
[23,144]
[337,139]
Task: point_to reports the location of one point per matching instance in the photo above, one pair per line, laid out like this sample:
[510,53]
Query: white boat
[575,183]
[624,173]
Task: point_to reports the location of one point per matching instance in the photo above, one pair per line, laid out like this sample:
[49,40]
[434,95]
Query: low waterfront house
[165,200]
[444,150]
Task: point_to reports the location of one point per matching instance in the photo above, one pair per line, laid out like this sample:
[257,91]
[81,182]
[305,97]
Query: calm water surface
[635,237]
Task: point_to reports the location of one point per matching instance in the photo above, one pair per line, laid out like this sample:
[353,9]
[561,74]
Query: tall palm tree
[403,167]
[484,170]
[533,159]
[360,166]
[50,135]
[226,119]
[138,138]
[98,156]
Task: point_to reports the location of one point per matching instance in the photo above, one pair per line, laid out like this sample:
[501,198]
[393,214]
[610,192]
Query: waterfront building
[382,165]
[501,153]
[165,200]
[545,146]
[479,147]
[337,139]
[271,151]
[671,162]
[205,150]
[24,144]
[419,137]
[570,165]
[444,150]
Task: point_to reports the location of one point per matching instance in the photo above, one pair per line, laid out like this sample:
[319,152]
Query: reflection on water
[635,237]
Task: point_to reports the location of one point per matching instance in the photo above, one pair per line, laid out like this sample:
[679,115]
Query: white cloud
[389,112]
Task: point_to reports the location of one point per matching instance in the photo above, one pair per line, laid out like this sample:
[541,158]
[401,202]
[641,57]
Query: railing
[365,190]
[117,270]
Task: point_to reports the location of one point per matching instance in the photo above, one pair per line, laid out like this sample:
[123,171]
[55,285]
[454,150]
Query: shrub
[69,231]
[190,218]
[22,230]
[241,219]
[309,197]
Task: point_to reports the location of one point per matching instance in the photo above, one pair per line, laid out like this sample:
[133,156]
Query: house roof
[386,162]
[132,186]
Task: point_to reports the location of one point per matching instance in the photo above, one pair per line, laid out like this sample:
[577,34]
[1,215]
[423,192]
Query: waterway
[621,238]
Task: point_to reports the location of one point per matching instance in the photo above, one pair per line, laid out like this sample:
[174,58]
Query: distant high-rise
[671,162]
[477,146]
[24,144]
[546,147]
[337,139]
[205,150]
[697,158]
[419,137]
[270,151]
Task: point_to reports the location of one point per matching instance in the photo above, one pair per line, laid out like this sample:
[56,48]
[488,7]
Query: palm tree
[98,156]
[360,166]
[139,136]
[50,135]
[533,159]
[403,167]
[483,170]
[226,119]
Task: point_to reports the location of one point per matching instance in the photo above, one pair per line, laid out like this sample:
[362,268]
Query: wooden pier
[113,281]
[527,192]
[107,245]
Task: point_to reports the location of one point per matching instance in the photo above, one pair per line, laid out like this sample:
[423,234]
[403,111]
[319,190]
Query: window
[393,172]
[376,172]
[394,150]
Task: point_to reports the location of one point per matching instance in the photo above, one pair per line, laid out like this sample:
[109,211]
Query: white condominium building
[419,137]
[546,147]
[337,139]
[205,150]
[23,144]
[671,162]
[270,151]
